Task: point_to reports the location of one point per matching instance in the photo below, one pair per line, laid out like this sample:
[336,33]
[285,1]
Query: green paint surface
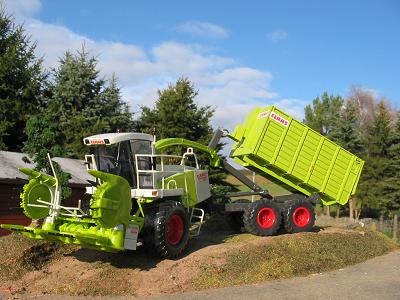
[186,182]
[284,149]
[110,209]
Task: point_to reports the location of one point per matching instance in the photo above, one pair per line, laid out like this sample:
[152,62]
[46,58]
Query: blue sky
[238,54]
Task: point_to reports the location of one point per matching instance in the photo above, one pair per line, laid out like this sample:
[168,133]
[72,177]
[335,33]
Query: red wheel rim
[174,229]
[266,217]
[301,216]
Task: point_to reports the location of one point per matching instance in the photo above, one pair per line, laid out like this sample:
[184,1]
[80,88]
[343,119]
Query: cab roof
[113,138]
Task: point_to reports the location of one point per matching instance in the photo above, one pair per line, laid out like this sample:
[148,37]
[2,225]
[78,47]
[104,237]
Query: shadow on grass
[319,228]
[214,231]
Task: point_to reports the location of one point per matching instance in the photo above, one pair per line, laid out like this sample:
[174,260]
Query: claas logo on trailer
[274,116]
[279,119]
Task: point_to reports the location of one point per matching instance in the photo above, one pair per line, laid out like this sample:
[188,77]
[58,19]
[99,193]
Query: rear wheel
[171,229]
[262,217]
[299,216]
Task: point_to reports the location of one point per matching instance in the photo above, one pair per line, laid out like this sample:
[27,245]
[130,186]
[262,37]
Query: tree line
[366,125]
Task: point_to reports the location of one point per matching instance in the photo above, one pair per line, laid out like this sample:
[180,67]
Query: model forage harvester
[141,195]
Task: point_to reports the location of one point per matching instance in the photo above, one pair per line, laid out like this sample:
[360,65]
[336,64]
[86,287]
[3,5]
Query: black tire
[171,229]
[147,233]
[234,219]
[262,217]
[298,216]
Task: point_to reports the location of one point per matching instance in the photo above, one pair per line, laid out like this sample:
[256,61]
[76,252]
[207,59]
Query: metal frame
[55,207]
[164,191]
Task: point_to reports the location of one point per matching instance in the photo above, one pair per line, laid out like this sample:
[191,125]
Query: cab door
[145,179]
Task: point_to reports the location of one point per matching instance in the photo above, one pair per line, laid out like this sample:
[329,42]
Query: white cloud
[234,92]
[53,40]
[232,89]
[294,107]
[203,29]
[277,35]
[187,60]
[22,8]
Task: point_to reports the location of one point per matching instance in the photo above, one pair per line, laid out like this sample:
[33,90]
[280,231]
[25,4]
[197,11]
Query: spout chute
[111,203]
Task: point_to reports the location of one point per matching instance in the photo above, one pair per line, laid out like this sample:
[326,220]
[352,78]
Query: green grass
[289,256]
[238,238]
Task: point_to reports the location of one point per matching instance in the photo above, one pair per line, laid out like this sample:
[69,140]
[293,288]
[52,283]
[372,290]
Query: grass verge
[286,257]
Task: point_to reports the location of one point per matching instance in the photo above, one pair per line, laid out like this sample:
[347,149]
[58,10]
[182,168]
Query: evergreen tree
[21,82]
[177,115]
[75,100]
[392,181]
[324,114]
[377,138]
[113,110]
[347,131]
[76,84]
[84,103]
[373,184]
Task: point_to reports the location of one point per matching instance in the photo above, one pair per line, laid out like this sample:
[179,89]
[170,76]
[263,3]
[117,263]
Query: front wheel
[171,229]
[299,216]
[262,217]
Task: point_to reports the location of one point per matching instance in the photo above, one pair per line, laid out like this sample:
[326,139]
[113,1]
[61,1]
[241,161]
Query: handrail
[153,171]
[215,160]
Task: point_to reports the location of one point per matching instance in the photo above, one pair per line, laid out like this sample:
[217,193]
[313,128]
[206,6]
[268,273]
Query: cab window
[116,159]
[143,163]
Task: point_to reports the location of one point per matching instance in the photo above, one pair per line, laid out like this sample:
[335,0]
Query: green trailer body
[287,151]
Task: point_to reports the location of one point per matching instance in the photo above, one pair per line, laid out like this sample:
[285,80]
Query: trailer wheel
[171,229]
[299,216]
[262,217]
